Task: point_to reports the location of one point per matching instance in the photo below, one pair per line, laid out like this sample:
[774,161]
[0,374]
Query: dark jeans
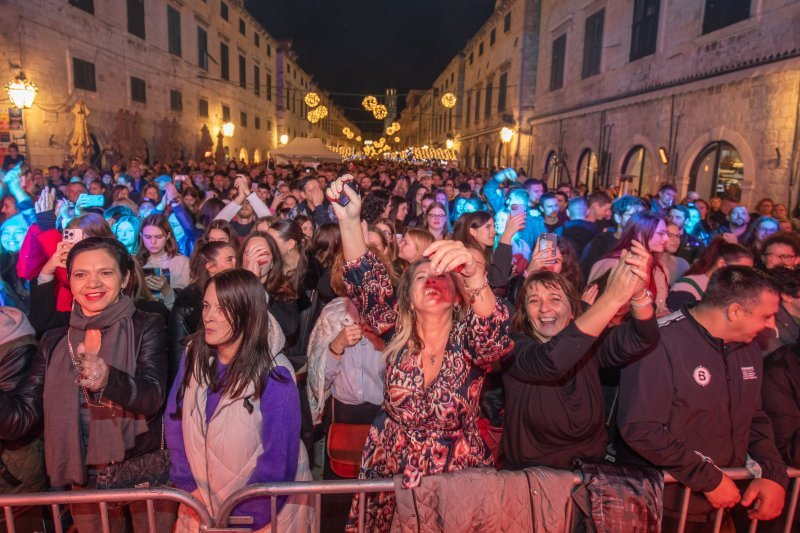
[335,507]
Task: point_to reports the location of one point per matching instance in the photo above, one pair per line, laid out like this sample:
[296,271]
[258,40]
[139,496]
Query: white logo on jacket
[748,373]
[701,376]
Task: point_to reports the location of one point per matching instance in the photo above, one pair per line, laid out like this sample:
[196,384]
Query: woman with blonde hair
[413,243]
[445,331]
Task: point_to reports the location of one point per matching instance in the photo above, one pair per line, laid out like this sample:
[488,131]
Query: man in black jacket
[693,405]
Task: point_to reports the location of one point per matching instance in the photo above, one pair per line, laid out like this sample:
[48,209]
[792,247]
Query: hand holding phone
[72,235]
[548,241]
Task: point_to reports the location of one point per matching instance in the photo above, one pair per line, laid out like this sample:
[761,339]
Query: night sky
[365,46]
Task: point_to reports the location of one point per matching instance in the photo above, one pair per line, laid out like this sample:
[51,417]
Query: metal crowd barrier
[221,523]
[102,498]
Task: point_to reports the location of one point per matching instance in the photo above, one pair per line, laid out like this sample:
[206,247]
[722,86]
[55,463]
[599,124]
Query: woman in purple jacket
[237,388]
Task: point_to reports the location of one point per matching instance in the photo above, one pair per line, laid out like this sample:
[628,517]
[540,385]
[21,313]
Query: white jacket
[219,468]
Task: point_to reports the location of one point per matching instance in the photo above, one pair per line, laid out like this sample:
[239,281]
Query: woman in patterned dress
[444,330]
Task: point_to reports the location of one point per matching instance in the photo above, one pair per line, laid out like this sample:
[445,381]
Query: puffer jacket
[484,499]
[21,459]
[143,393]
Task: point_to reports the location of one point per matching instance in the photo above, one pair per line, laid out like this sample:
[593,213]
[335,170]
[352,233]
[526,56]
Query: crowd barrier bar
[102,497]
[315,488]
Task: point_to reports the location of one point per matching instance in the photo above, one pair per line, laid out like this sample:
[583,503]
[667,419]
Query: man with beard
[738,219]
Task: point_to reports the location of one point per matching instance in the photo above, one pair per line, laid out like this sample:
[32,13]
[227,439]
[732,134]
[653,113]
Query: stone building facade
[493,79]
[201,62]
[700,93]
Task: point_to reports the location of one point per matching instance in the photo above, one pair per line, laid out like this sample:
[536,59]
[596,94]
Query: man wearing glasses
[781,249]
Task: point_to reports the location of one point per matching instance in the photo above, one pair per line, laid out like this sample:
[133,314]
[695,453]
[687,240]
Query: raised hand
[452,256]
[515,224]
[622,281]
[46,201]
[350,212]
[641,262]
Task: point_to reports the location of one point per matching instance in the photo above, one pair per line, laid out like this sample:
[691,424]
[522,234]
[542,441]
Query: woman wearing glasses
[436,221]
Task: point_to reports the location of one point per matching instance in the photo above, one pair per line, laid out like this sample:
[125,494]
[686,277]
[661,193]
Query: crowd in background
[233,317]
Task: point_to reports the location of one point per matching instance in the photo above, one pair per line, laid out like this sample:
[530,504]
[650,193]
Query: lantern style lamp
[21,92]
[506,134]
[228,129]
[284,139]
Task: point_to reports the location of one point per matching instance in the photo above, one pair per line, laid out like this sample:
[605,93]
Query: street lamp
[227,129]
[21,92]
[449,144]
[284,139]
[506,134]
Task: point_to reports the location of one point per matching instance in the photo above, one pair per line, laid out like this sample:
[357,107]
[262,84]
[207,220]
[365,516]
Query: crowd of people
[208,326]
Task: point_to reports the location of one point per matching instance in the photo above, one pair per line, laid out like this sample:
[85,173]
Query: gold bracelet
[473,293]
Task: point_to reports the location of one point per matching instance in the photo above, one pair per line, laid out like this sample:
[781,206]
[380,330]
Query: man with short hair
[599,209]
[12,158]
[693,405]
[690,247]
[536,188]
[548,205]
[315,205]
[738,219]
[787,321]
[623,208]
[577,231]
[664,200]
[781,249]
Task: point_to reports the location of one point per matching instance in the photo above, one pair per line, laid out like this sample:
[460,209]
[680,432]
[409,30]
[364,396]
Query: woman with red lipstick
[99,384]
[444,330]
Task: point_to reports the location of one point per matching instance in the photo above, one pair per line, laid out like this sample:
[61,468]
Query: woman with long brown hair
[165,269]
[445,330]
[235,386]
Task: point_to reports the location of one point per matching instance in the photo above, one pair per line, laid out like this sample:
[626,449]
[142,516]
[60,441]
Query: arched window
[243,156]
[639,167]
[257,156]
[718,171]
[551,169]
[587,169]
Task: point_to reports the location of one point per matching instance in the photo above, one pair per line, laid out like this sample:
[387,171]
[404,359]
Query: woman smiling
[554,400]
[99,384]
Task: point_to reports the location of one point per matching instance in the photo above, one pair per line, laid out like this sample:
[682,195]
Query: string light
[369,102]
[397,139]
[448,100]
[322,111]
[358,139]
[380,112]
[313,116]
[311,99]
[395,126]
[346,130]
